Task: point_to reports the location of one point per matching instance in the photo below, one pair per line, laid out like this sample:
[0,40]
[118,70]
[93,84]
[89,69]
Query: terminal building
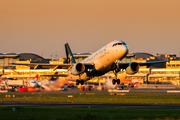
[6,58]
[165,72]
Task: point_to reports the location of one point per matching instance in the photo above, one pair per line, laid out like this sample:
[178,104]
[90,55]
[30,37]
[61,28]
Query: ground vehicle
[64,88]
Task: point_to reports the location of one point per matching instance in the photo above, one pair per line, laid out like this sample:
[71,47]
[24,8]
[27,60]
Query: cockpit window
[117,44]
[114,44]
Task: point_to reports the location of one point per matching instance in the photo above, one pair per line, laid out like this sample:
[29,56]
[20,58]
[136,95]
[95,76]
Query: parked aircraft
[15,84]
[97,64]
[54,83]
[50,81]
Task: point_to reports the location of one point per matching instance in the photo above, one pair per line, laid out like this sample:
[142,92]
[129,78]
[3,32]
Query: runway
[92,105]
[76,91]
[89,105]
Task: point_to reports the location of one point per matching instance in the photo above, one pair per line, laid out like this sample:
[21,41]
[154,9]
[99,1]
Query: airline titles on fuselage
[89,59]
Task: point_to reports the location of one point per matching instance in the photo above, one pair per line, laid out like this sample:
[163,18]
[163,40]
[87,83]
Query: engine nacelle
[132,68]
[77,69]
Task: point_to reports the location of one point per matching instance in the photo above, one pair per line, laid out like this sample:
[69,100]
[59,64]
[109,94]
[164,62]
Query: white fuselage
[103,59]
[32,83]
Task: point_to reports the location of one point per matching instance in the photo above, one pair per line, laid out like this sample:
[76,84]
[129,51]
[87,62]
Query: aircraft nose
[123,50]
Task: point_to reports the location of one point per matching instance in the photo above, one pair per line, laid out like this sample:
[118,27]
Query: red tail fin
[36,77]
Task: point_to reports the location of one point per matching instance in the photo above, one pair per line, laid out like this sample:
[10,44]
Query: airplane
[97,64]
[15,84]
[53,83]
[50,81]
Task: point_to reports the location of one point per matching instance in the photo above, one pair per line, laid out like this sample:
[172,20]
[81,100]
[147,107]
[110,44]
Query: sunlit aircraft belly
[106,59]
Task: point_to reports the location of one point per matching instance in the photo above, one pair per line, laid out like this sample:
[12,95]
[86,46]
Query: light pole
[51,56]
[179,77]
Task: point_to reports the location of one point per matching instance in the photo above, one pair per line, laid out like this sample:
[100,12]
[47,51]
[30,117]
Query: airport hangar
[168,72]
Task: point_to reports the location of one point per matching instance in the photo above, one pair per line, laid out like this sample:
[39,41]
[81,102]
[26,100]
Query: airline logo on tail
[54,78]
[36,77]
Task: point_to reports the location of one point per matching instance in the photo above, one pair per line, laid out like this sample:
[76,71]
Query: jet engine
[77,69]
[132,68]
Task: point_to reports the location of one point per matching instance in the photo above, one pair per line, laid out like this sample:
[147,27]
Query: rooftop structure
[167,56]
[6,58]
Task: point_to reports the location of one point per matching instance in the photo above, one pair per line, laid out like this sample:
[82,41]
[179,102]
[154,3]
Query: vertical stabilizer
[69,54]
[36,77]
[54,78]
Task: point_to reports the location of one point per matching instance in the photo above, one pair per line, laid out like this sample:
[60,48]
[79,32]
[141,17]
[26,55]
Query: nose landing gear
[114,81]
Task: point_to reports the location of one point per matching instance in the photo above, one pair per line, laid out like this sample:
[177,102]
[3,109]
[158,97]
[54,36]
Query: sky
[44,26]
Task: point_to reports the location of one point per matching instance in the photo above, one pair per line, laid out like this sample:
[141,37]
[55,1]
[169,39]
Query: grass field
[42,113]
[97,98]
[53,113]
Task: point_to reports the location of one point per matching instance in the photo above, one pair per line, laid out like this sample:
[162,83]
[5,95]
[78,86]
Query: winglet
[69,54]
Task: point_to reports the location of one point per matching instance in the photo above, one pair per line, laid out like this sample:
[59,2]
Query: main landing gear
[114,81]
[80,81]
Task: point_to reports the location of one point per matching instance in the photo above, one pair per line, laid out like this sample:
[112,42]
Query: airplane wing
[148,64]
[45,65]
[152,62]
[87,66]
[53,66]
